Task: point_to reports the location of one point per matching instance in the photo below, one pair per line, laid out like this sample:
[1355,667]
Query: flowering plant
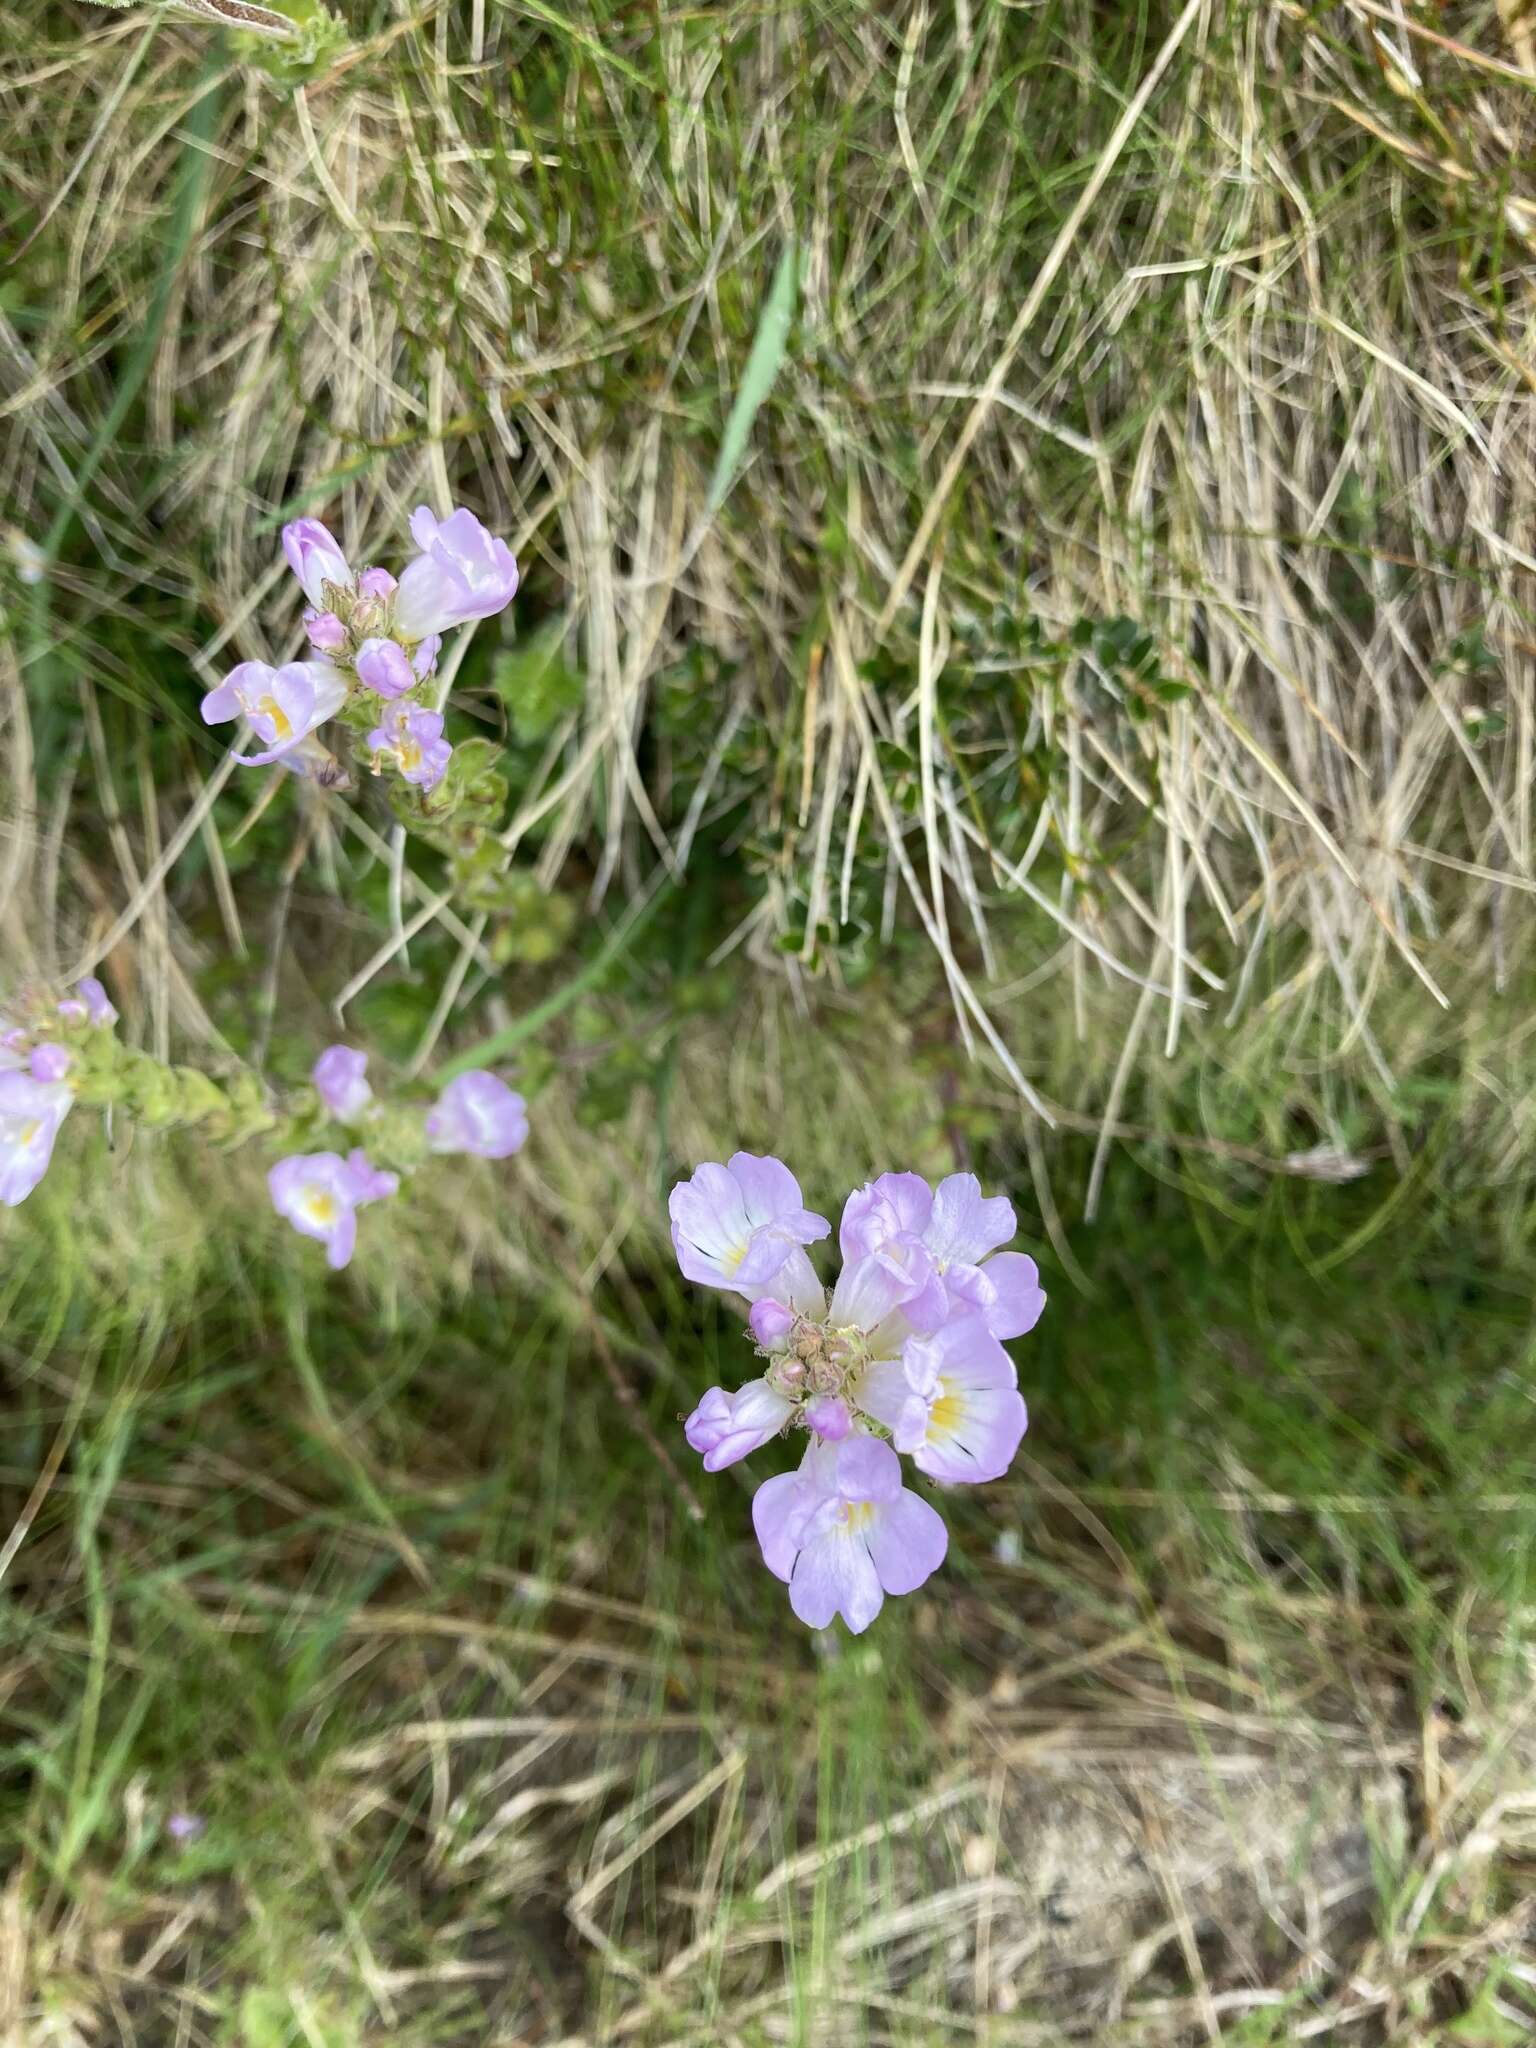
[904,1357]
[55,1054]
[375,642]
[320,1192]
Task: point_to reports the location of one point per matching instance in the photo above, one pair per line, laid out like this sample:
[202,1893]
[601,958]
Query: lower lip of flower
[270,708]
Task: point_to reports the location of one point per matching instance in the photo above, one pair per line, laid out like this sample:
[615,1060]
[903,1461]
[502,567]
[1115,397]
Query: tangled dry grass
[1118,622]
[1240,358]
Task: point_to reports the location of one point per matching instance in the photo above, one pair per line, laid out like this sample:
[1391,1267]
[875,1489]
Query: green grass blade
[768,346]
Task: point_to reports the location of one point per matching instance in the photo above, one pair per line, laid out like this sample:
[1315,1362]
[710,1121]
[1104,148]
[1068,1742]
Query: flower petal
[1018,1298]
[896,1203]
[836,1575]
[776,1517]
[966,1225]
[757,1412]
[973,1434]
[314,557]
[735,1226]
[384,667]
[31,1113]
[884,1394]
[797,1287]
[907,1541]
[708,1423]
[767,1187]
[342,1241]
[869,1290]
[867,1470]
[479,1114]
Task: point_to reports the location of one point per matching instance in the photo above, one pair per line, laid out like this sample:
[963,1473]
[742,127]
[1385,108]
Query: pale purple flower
[478,1113]
[89,1004]
[908,1344]
[462,573]
[373,1182]
[424,659]
[315,558]
[960,1229]
[49,1062]
[413,739]
[339,1078]
[951,1401]
[896,1276]
[735,1225]
[31,1112]
[326,632]
[382,666]
[816,1348]
[98,1004]
[284,705]
[185,1827]
[376,583]
[895,1205]
[843,1532]
[319,1193]
[727,1427]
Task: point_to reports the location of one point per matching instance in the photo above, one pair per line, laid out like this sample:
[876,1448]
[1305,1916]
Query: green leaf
[1470,653]
[536,682]
[1483,725]
[768,347]
[266,2018]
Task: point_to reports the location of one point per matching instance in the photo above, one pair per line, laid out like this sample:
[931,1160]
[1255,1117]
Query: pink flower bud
[383,668]
[770,1321]
[49,1063]
[326,632]
[829,1417]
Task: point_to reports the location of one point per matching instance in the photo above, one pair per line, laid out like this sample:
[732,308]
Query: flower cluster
[375,643]
[56,1054]
[320,1193]
[39,1058]
[905,1356]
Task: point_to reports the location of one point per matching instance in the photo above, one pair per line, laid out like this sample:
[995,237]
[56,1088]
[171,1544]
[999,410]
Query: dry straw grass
[1240,355]
[1219,322]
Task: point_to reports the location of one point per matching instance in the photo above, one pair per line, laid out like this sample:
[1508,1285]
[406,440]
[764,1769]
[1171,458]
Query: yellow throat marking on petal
[732,1258]
[30,1131]
[857,1515]
[320,1207]
[270,708]
[945,1416]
